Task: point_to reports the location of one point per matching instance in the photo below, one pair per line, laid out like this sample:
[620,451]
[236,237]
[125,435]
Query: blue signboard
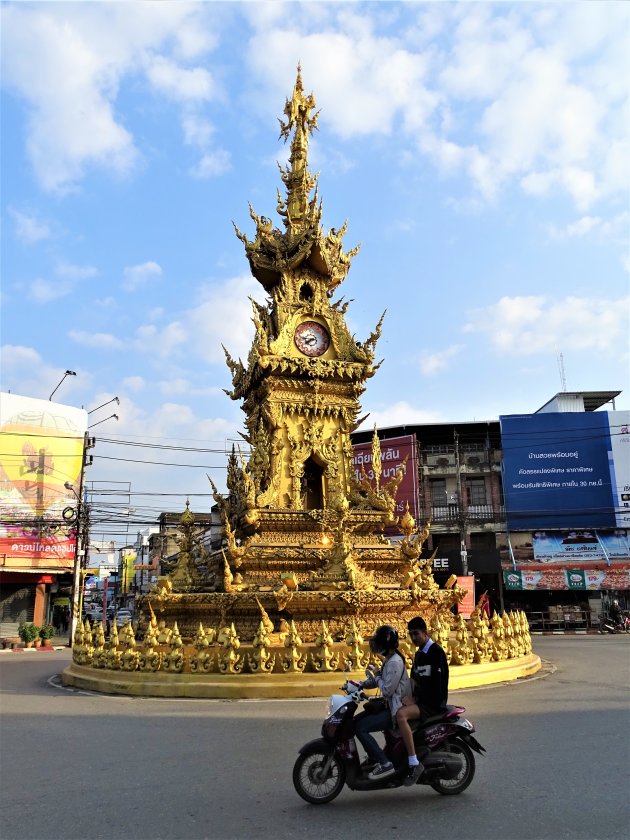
[556,471]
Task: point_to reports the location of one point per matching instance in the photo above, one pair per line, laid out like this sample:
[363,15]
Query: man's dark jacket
[429,673]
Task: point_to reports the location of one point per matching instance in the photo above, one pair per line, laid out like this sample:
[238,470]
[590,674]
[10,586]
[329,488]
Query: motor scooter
[609,625]
[444,745]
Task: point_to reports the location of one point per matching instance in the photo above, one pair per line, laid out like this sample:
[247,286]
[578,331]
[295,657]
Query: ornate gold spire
[298,211]
[303,243]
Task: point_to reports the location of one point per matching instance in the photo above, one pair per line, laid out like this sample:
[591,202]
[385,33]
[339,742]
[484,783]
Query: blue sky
[479,152]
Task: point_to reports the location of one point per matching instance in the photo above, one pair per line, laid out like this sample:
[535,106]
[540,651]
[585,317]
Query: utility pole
[462,518]
[81,539]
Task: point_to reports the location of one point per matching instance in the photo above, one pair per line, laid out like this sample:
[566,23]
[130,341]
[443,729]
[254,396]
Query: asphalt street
[80,765]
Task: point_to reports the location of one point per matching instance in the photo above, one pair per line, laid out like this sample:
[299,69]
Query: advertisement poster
[393,454]
[41,450]
[573,579]
[566,470]
[581,546]
[467,583]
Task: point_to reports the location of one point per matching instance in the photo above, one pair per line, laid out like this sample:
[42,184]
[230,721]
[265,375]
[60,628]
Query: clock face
[311,338]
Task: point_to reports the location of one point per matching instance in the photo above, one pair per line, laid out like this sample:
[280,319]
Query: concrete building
[557,542]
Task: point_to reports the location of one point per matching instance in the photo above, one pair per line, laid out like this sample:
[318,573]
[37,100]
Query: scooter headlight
[336,702]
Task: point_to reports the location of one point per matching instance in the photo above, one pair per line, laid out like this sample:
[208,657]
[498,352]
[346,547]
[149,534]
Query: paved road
[76,765]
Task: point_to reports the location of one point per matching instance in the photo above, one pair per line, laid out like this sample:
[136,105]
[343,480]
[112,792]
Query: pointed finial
[188,517]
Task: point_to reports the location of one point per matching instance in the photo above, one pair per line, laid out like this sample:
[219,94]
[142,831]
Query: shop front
[483,574]
[558,576]
[26,597]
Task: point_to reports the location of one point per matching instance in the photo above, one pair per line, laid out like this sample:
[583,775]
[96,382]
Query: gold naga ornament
[313,556]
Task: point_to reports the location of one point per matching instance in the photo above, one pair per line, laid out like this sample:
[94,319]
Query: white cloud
[181,387]
[172,420]
[133,383]
[44,290]
[25,371]
[161,343]
[582,227]
[224,316]
[528,325]
[399,414]
[432,363]
[363,94]
[504,95]
[598,230]
[68,64]
[103,341]
[28,228]
[171,387]
[75,272]
[179,83]
[136,276]
[526,95]
[213,163]
[108,302]
[198,131]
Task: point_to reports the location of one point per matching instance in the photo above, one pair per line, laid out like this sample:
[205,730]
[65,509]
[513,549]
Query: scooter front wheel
[318,776]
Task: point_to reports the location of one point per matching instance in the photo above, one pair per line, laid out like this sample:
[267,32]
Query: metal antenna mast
[563,379]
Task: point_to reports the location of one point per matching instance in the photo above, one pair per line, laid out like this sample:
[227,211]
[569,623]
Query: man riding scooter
[429,680]
[392,681]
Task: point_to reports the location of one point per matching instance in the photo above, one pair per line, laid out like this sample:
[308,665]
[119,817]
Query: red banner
[40,551]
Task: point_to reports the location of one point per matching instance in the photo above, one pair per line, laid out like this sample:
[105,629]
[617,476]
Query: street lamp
[67,373]
[113,399]
[111,417]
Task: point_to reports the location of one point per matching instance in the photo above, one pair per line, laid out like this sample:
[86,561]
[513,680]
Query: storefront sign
[573,579]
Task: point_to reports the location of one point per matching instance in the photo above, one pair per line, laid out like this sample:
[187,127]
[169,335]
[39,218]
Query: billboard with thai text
[394,451]
[41,450]
[580,546]
[567,470]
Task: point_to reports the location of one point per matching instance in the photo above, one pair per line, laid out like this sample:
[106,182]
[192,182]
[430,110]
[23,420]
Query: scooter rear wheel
[308,778]
[451,787]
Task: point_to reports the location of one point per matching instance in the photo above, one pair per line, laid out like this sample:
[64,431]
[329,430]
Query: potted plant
[28,632]
[47,631]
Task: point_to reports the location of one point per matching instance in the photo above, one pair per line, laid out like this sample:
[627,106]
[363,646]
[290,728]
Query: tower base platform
[271,686]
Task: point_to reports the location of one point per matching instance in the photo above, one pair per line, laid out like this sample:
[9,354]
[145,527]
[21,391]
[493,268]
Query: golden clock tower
[304,538]
[306,571]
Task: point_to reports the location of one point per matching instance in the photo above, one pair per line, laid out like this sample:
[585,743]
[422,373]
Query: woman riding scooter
[393,682]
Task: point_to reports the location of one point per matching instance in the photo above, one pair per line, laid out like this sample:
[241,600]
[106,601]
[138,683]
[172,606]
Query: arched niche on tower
[313,484]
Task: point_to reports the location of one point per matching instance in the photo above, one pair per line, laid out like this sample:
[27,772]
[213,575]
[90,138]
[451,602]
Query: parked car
[123,615]
[94,613]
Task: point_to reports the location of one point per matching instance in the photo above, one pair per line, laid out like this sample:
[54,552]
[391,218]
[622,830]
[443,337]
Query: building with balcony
[536,507]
